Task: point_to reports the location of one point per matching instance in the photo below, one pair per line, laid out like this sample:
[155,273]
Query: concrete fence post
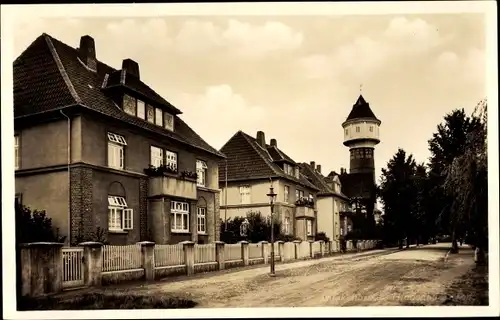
[281,249]
[41,268]
[311,252]
[244,252]
[297,244]
[188,247]
[265,252]
[219,254]
[322,248]
[148,262]
[92,263]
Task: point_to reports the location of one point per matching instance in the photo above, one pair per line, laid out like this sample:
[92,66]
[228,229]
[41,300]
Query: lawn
[105,300]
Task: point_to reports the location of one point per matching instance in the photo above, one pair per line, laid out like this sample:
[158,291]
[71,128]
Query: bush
[259,229]
[288,238]
[321,236]
[35,226]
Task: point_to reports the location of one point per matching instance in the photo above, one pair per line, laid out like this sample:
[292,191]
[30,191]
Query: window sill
[118,231]
[180,232]
[202,233]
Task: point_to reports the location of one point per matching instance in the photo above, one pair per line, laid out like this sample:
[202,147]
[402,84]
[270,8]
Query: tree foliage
[259,229]
[35,226]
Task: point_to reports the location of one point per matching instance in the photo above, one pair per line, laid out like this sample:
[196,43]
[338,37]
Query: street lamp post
[272,197]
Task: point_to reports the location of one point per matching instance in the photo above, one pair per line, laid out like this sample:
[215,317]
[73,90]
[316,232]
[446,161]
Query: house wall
[326,215]
[138,149]
[44,145]
[49,192]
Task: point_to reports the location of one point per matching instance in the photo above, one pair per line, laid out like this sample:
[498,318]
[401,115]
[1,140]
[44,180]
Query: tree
[466,182]
[398,195]
[259,229]
[446,145]
[34,226]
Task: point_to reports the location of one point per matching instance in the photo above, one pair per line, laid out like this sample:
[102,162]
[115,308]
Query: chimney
[313,164]
[87,52]
[318,168]
[131,67]
[261,139]
[274,143]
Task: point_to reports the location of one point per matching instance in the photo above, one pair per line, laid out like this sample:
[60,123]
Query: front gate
[72,265]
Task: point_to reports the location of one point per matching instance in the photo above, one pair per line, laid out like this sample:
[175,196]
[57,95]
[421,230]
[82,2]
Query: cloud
[229,111]
[402,39]
[466,69]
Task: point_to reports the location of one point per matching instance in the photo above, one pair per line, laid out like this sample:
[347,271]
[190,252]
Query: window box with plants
[189,175]
[305,202]
[163,170]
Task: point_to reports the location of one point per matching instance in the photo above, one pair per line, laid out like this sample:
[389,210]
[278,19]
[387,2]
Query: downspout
[225,198]
[69,176]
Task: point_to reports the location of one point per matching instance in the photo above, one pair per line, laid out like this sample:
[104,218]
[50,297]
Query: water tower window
[357,129]
[371,128]
[346,131]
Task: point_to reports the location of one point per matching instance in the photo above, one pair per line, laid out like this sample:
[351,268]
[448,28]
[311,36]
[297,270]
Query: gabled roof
[361,109]
[247,160]
[49,76]
[320,181]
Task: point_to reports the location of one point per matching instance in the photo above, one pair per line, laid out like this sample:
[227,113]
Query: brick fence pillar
[41,268]
[148,262]
[92,263]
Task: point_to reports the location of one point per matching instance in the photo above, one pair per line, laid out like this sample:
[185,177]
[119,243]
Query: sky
[296,77]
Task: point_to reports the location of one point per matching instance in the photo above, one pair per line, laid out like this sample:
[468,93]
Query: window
[116,145]
[285,194]
[120,217]
[311,197]
[201,171]
[346,132]
[151,113]
[156,156]
[141,109]
[17,159]
[286,225]
[159,117]
[245,194]
[301,194]
[297,194]
[202,218]
[297,173]
[179,219]
[357,129]
[172,160]
[309,227]
[129,104]
[371,128]
[169,121]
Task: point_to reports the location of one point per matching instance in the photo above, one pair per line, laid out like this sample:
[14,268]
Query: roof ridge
[61,69]
[246,136]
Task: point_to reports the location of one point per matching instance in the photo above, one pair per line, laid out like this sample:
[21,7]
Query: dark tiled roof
[247,160]
[361,109]
[320,181]
[358,185]
[121,78]
[48,75]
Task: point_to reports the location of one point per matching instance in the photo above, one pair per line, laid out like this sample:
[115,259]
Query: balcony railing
[303,211]
[305,202]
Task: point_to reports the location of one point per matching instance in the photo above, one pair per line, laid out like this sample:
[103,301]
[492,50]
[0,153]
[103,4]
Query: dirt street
[417,276]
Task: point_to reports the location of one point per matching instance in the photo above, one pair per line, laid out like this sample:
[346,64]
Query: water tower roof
[361,109]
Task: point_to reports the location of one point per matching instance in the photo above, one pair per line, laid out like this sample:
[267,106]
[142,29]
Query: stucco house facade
[97,147]
[334,210]
[245,176]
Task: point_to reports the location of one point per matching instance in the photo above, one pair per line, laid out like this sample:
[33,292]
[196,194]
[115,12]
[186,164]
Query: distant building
[84,135]
[251,166]
[361,135]
[333,205]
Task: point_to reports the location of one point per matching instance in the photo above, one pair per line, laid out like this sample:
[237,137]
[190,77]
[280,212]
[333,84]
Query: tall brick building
[97,147]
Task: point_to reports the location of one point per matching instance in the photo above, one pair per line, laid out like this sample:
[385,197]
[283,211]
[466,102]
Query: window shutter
[128,219]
